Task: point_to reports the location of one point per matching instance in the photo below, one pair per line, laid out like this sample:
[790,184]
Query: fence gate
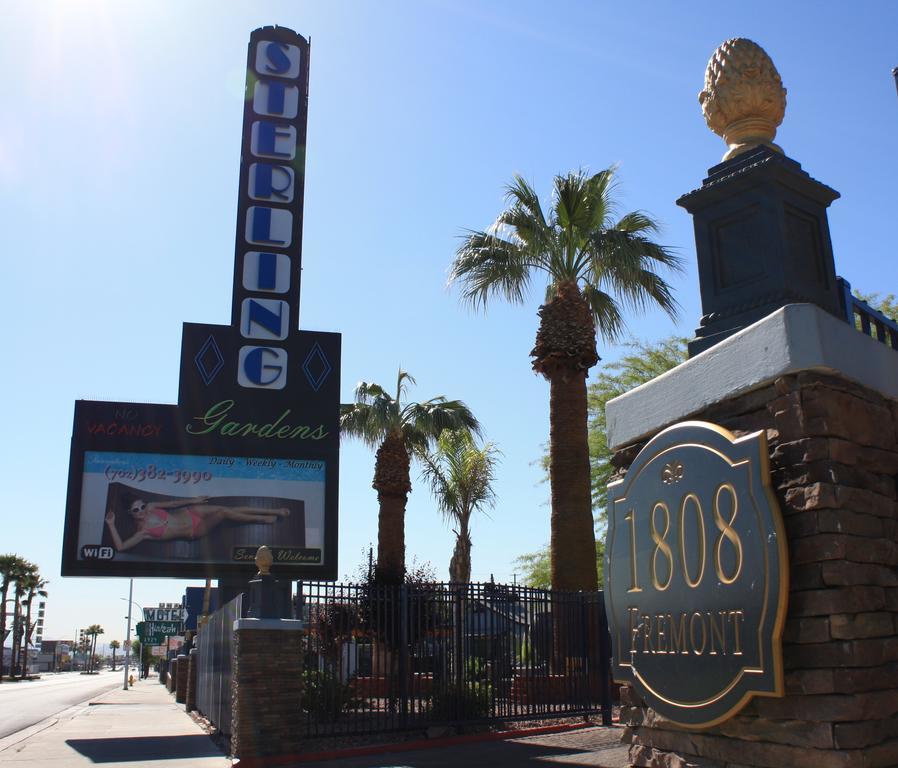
[390,658]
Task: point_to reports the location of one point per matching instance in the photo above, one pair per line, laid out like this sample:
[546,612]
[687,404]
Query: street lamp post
[128,635]
[128,638]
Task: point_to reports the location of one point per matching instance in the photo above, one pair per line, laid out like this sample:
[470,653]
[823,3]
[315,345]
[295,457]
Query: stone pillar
[266,673]
[192,662]
[172,675]
[181,679]
[266,688]
[827,397]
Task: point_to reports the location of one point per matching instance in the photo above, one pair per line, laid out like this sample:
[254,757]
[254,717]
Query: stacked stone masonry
[834,463]
[181,679]
[266,691]
[171,675]
[192,665]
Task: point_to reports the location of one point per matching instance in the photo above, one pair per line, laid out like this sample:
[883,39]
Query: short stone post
[192,663]
[181,679]
[266,676]
[172,675]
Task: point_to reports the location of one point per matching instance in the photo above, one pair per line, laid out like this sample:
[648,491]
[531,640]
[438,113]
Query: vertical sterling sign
[249,455]
[268,249]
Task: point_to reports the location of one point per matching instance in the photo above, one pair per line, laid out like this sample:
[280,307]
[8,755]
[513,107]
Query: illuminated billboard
[144,507]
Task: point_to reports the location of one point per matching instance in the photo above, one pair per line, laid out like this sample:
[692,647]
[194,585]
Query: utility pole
[128,635]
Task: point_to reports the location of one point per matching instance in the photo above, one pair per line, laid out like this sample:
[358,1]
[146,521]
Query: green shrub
[469,701]
[475,668]
[325,697]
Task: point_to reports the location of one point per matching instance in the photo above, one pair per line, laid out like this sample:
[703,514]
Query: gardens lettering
[712,633]
[215,420]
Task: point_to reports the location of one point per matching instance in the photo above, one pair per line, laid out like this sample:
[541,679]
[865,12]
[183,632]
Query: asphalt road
[26,703]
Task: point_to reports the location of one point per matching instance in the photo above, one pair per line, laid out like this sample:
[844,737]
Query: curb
[405,746]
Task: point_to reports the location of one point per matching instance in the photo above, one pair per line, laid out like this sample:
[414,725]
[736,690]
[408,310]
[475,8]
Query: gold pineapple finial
[264,559]
[743,100]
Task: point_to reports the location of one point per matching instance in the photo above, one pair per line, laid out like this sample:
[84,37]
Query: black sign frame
[255,390]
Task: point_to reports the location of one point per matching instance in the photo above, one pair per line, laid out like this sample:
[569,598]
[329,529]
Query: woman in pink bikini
[184,519]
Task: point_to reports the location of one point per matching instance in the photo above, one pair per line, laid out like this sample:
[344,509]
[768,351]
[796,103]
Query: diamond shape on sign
[209,360]
[316,367]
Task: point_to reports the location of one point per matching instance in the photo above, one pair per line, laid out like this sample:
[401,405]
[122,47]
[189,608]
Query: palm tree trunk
[565,350]
[390,567]
[16,639]
[27,635]
[392,482]
[460,564]
[573,535]
[4,592]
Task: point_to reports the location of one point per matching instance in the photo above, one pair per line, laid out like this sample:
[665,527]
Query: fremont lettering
[697,633]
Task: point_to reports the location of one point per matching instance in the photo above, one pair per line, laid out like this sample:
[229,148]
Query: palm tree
[461,478]
[11,567]
[115,645]
[34,586]
[596,268]
[92,631]
[398,430]
[23,574]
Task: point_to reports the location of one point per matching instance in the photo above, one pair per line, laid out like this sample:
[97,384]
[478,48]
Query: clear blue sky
[119,152]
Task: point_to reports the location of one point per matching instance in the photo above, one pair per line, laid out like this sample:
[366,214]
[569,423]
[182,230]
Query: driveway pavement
[595,746]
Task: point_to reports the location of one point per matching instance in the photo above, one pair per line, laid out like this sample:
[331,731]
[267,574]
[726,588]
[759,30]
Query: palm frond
[615,262]
[609,319]
[402,382]
[487,265]
[437,414]
[574,201]
[373,415]
[522,194]
[602,188]
[365,392]
[461,476]
[637,223]
[532,235]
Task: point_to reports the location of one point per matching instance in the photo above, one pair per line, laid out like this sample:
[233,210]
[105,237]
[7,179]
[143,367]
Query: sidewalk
[118,729]
[144,728]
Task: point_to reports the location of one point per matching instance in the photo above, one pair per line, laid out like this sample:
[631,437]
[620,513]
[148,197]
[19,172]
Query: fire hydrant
[130,681]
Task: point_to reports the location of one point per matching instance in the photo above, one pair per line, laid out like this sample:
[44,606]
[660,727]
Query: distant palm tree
[115,645]
[398,430]
[596,267]
[34,585]
[461,478]
[23,574]
[92,631]
[11,568]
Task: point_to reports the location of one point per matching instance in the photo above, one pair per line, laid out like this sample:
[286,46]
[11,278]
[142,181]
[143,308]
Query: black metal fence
[214,645]
[392,658]
[866,319]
